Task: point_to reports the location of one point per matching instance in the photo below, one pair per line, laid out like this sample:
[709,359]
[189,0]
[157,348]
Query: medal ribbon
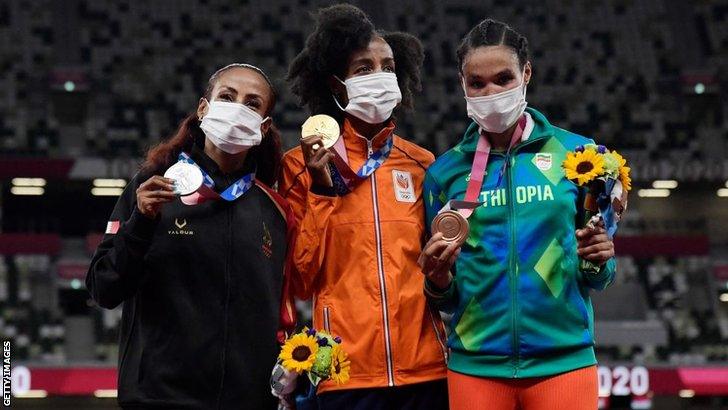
[477,172]
[343,177]
[231,193]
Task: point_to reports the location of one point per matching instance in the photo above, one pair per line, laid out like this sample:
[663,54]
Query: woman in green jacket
[522,331]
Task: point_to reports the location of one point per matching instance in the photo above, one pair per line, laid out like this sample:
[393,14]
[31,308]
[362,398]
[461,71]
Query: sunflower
[340,365]
[624,170]
[299,353]
[583,167]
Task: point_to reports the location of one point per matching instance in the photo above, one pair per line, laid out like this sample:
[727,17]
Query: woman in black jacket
[202,285]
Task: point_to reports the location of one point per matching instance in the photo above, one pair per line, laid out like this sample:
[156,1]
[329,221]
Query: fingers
[434,238]
[447,254]
[148,208]
[320,159]
[428,250]
[438,255]
[163,194]
[594,245]
[454,256]
[167,195]
[318,167]
[588,236]
[154,192]
[600,257]
[156,183]
[310,146]
[586,232]
[435,249]
[440,275]
[592,240]
[159,200]
[605,247]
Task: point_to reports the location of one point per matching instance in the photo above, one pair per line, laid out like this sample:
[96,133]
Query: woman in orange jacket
[359,240]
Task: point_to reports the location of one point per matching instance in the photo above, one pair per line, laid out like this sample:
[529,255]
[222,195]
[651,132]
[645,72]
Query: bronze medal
[454,227]
[321,126]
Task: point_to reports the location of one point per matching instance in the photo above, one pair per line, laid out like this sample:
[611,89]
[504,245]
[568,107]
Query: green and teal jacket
[520,305]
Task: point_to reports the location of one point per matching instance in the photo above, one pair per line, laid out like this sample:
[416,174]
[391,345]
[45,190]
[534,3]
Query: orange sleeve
[312,213]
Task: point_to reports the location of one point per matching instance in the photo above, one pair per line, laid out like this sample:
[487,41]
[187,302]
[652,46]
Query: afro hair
[339,31]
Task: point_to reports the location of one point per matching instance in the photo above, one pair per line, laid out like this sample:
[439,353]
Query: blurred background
[88,85]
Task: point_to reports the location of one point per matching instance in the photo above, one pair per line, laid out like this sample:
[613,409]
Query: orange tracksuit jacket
[356,255]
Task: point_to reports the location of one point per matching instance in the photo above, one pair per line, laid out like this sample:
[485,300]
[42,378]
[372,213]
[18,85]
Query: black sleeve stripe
[419,164]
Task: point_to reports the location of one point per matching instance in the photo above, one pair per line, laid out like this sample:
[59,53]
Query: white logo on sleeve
[404,189]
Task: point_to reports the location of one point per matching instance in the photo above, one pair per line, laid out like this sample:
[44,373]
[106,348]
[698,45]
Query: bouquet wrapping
[605,174]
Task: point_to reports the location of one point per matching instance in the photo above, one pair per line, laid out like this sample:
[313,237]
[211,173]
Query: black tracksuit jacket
[201,291]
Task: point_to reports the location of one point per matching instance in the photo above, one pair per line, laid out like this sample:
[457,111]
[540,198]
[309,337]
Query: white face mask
[232,127]
[372,97]
[496,113]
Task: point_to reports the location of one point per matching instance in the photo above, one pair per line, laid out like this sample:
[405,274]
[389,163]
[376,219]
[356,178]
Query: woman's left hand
[594,245]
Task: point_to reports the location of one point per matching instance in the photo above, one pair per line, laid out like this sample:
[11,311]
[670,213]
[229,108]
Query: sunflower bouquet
[316,353]
[605,174]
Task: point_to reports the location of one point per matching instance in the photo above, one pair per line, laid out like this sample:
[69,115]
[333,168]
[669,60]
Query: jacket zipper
[513,266]
[327,323]
[510,161]
[437,334]
[227,303]
[380,269]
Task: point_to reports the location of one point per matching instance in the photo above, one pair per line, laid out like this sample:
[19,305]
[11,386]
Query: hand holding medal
[319,131]
[153,193]
[181,179]
[324,153]
[437,257]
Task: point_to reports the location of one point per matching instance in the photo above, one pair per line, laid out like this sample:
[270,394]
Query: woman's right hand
[153,193]
[317,161]
[437,258]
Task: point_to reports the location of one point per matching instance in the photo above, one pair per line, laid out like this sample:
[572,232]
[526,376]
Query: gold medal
[454,227]
[321,126]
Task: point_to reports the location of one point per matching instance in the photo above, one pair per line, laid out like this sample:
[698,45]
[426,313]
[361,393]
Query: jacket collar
[541,129]
[210,166]
[356,143]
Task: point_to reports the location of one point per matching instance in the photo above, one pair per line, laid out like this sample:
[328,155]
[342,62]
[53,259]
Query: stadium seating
[613,71]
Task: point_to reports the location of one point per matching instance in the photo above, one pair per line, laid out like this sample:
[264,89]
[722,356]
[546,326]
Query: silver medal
[187,178]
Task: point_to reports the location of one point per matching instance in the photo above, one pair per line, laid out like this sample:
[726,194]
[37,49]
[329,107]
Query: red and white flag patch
[112,227]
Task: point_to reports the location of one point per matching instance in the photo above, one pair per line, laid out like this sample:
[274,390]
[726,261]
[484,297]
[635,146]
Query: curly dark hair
[491,32]
[339,31]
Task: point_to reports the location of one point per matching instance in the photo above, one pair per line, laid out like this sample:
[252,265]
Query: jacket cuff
[141,226]
[436,293]
[600,276]
[323,190]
